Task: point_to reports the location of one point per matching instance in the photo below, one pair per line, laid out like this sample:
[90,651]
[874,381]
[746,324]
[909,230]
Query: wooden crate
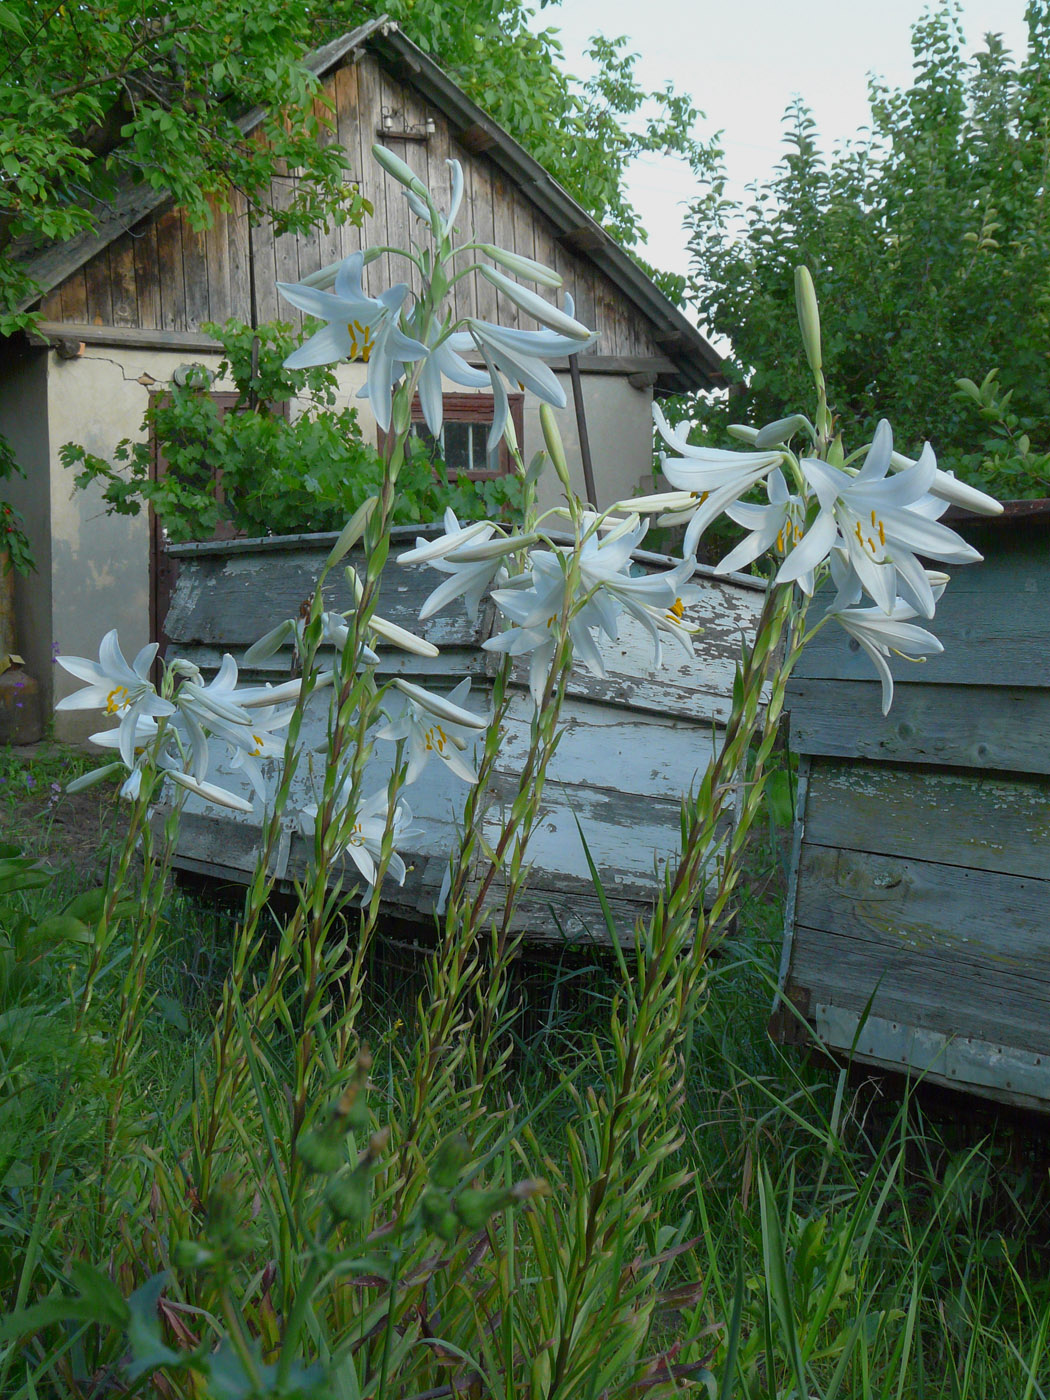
[918,923]
[635,741]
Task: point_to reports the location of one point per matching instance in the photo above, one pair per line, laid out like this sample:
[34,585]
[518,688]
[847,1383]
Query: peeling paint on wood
[634,742]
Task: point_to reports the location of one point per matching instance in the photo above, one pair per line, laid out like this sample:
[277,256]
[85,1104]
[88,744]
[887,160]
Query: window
[461,444]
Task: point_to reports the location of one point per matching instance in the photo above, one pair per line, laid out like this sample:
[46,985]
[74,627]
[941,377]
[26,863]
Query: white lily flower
[779,525]
[365,842]
[883,522]
[359,327]
[713,477]
[520,355]
[881,634]
[473,557]
[435,724]
[445,359]
[656,600]
[533,604]
[117,688]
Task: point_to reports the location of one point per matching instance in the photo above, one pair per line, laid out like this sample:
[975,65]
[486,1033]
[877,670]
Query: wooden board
[977,821]
[633,743]
[994,622]
[907,988]
[968,726]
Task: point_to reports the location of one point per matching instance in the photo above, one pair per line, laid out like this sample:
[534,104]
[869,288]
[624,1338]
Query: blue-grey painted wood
[635,741]
[995,727]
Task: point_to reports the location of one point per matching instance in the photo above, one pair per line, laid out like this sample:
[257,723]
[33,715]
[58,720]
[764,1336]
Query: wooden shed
[635,741]
[123,308]
[918,924]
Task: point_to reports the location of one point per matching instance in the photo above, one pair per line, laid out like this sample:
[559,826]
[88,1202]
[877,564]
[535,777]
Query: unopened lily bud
[97,775]
[742,432]
[555,448]
[522,266]
[808,317]
[404,174]
[535,306]
[349,1196]
[322,1151]
[352,531]
[270,643]
[437,1216]
[510,433]
[783,430]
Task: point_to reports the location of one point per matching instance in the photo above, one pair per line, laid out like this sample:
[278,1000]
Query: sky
[744,62]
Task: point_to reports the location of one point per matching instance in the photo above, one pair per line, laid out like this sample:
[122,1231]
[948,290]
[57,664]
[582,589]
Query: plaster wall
[99,562]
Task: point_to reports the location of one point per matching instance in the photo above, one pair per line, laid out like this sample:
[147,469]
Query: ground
[77,830]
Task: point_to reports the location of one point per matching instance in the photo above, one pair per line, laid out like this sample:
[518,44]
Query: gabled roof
[696,361]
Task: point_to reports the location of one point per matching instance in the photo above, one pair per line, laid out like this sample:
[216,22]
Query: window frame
[471,408]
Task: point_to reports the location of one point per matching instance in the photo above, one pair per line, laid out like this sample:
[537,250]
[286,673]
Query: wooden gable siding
[161,275]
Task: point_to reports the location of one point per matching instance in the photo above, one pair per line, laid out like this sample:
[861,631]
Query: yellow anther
[117,699]
[438,744]
[677,608]
[882,534]
[360,349]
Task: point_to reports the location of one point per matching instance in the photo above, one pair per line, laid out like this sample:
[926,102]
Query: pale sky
[743,63]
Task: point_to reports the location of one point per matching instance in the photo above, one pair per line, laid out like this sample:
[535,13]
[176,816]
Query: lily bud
[555,448]
[352,531]
[783,430]
[521,266]
[808,317]
[402,173]
[742,432]
[535,306]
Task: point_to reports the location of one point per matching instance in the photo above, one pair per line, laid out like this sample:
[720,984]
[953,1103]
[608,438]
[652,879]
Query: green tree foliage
[152,89]
[929,242]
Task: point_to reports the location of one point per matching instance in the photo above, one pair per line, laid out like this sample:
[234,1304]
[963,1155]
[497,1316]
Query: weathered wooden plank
[998,824]
[122,282]
[217,251]
[363,122]
[959,726]
[195,275]
[398,219]
[943,915]
[614,749]
[74,297]
[51,305]
[992,1070]
[238,232]
[147,275]
[993,620]
[232,600]
[503,235]
[97,285]
[172,281]
[953,997]
[482,226]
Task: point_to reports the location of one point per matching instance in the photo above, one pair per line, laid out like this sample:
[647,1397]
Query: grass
[822,1233]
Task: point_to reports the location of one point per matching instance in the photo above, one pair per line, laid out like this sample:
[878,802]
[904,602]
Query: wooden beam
[53,333]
